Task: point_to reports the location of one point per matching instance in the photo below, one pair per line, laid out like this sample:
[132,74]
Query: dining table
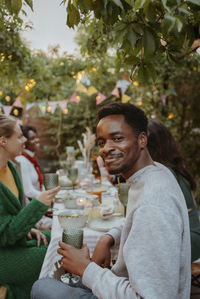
[52,262]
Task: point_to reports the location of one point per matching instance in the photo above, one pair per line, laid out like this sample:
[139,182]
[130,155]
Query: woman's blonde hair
[7,125]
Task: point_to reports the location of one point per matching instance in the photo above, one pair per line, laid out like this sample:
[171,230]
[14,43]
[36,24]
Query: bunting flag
[91,90]
[163,99]
[123,89]
[81,88]
[122,83]
[100,98]
[17,103]
[86,80]
[53,105]
[7,109]
[62,104]
[74,98]
[115,92]
[29,105]
[43,107]
[125,98]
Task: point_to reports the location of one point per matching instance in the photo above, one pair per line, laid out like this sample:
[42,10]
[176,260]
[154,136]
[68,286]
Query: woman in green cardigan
[22,247]
[164,149]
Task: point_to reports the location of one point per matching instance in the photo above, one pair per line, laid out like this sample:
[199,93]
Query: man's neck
[144,160]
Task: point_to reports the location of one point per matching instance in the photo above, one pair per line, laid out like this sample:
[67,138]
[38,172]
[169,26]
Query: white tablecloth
[51,266]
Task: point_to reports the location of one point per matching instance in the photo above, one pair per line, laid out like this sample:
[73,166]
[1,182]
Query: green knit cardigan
[20,258]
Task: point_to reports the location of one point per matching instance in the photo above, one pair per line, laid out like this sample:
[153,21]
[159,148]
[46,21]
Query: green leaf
[151,72]
[132,38]
[183,9]
[139,4]
[168,23]
[179,25]
[29,3]
[196,2]
[143,75]
[73,17]
[130,2]
[148,43]
[150,12]
[138,29]
[118,3]
[16,6]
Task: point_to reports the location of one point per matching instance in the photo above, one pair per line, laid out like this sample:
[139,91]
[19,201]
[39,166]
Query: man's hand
[102,255]
[38,235]
[74,260]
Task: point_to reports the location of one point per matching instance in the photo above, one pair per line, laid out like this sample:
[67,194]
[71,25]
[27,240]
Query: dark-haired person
[164,149]
[22,247]
[154,253]
[30,170]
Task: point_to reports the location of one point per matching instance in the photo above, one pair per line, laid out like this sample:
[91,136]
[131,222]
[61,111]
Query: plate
[104,225]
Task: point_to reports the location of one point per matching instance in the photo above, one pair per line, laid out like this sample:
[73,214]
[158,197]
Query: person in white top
[154,242]
[30,170]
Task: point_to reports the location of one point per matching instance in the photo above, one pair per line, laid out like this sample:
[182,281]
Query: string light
[2,57]
[43,108]
[16,112]
[49,109]
[135,83]
[7,98]
[139,103]
[1,93]
[171,115]
[30,84]
[65,111]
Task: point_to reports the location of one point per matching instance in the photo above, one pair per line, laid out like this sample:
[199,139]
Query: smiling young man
[154,242]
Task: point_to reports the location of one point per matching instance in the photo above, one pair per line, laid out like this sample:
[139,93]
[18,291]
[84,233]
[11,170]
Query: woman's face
[16,143]
[32,142]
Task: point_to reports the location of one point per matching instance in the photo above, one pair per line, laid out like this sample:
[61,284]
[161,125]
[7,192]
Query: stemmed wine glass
[50,182]
[73,175]
[74,237]
[123,189]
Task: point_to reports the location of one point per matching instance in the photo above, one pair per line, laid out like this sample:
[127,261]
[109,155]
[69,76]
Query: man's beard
[119,170]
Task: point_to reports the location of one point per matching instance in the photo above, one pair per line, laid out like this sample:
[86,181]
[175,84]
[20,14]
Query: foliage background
[169,90]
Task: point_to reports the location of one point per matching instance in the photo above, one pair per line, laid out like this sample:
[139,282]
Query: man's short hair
[26,129]
[134,116]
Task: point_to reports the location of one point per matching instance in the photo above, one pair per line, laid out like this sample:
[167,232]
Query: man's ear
[3,141]
[142,140]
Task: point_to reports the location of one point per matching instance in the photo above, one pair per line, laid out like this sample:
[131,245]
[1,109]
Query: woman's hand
[102,255]
[38,236]
[47,196]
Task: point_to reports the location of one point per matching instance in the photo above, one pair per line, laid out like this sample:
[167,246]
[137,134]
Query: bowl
[73,218]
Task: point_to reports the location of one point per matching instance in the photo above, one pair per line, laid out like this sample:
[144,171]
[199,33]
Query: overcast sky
[49,26]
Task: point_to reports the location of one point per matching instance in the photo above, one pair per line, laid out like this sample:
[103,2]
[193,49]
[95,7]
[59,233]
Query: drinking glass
[50,182]
[73,175]
[74,237]
[123,189]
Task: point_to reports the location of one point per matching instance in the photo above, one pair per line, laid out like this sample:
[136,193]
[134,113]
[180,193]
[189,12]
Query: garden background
[143,52]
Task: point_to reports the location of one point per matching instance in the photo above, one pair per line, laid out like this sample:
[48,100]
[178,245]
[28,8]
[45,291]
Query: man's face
[32,142]
[118,145]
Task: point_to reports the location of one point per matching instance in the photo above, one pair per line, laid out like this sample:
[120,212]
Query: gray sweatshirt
[154,255]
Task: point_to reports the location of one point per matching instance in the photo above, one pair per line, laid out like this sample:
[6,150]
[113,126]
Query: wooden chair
[3,292]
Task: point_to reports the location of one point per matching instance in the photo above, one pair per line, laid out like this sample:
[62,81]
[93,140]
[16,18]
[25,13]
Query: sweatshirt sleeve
[13,228]
[29,189]
[151,270]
